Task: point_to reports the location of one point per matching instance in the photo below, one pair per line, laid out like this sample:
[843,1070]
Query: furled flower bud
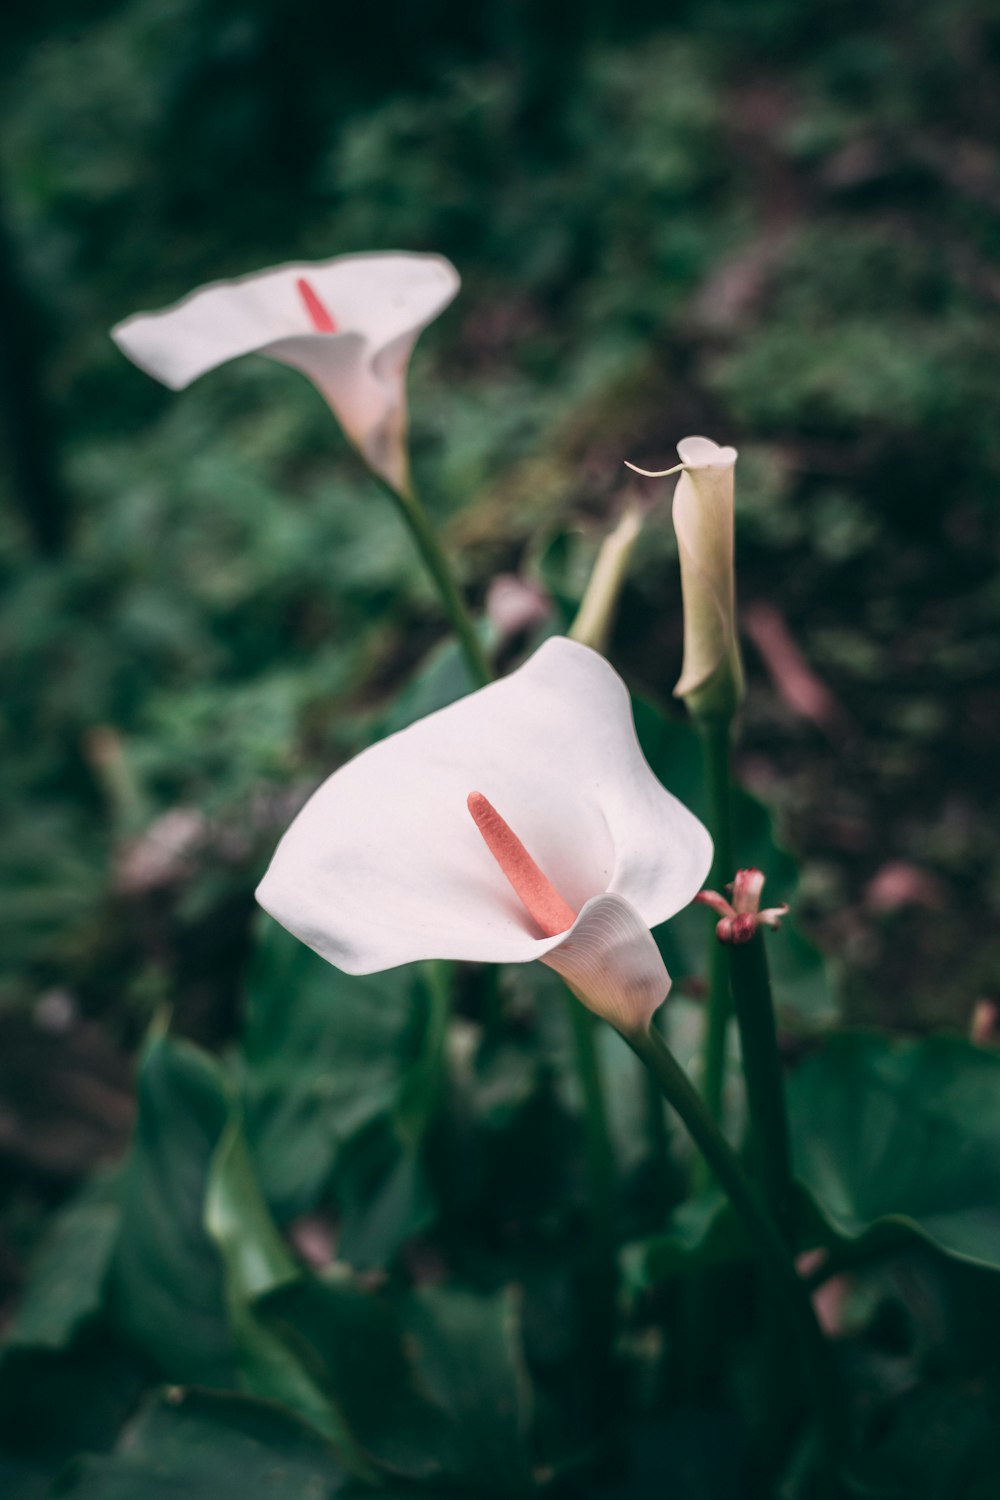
[711,680]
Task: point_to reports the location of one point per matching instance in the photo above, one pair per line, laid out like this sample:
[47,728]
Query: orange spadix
[536,893]
[319,314]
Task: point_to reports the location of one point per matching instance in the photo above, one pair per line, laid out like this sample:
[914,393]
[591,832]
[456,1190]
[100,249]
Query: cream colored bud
[711,680]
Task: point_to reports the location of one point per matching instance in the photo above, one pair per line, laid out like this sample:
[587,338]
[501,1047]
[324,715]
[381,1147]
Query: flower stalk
[421,528]
[788,1289]
[600,1170]
[770,1146]
[715,735]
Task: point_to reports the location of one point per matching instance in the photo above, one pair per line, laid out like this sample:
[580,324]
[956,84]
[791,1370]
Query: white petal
[702,453]
[703,522]
[379,302]
[385,866]
[611,962]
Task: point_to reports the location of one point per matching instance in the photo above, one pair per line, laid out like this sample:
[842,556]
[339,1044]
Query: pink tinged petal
[718,903]
[382,303]
[611,962]
[747,888]
[384,866]
[771,916]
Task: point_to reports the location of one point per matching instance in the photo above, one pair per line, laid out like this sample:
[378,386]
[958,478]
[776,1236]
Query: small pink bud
[740,917]
[742,927]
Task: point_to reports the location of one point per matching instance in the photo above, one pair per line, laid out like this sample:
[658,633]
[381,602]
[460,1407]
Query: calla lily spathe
[711,680]
[349,324]
[385,866]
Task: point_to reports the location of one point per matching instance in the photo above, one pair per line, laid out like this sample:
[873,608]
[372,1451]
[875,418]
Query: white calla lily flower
[349,324]
[385,866]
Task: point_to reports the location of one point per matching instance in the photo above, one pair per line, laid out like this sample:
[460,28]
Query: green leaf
[57,1403]
[343,1075]
[66,1278]
[441,678]
[257,1261]
[468,1355]
[198,1445]
[383,1198]
[167,1291]
[353,1342]
[897,1136]
[704,1231]
[801,984]
[432,1385]
[940,1441]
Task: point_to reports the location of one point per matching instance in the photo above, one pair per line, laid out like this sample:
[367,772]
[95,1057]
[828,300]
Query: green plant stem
[600,1158]
[658,1139]
[715,737]
[767,1239]
[770,1147]
[600,1164]
[412,510]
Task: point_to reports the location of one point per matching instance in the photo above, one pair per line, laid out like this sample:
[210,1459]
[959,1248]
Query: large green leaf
[702,1232]
[326,1055]
[66,1278]
[354,1345]
[801,984]
[167,1291]
[197,1445]
[895,1136]
[432,1385]
[894,1139]
[468,1355]
[939,1443]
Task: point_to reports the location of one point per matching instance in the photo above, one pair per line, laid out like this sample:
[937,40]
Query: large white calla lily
[572,852]
[349,324]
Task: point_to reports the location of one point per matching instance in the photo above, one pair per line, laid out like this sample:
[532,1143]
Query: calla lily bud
[596,616]
[711,680]
[521,823]
[349,324]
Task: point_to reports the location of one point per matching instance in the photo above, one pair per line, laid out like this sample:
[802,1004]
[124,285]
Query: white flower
[385,865]
[349,324]
[711,679]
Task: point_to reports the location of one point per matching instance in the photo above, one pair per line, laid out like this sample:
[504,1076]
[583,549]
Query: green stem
[600,1163]
[715,748]
[658,1139]
[419,522]
[425,1081]
[767,1239]
[770,1146]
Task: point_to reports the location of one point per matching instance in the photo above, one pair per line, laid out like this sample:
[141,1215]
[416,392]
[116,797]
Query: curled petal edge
[611,962]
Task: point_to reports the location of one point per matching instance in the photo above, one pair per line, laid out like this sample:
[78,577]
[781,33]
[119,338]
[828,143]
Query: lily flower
[349,324]
[711,680]
[572,852]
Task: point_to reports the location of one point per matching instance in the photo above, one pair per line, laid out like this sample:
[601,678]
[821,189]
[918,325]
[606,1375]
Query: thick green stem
[765,1236]
[770,1146]
[715,747]
[419,522]
[600,1168]
[600,1158]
